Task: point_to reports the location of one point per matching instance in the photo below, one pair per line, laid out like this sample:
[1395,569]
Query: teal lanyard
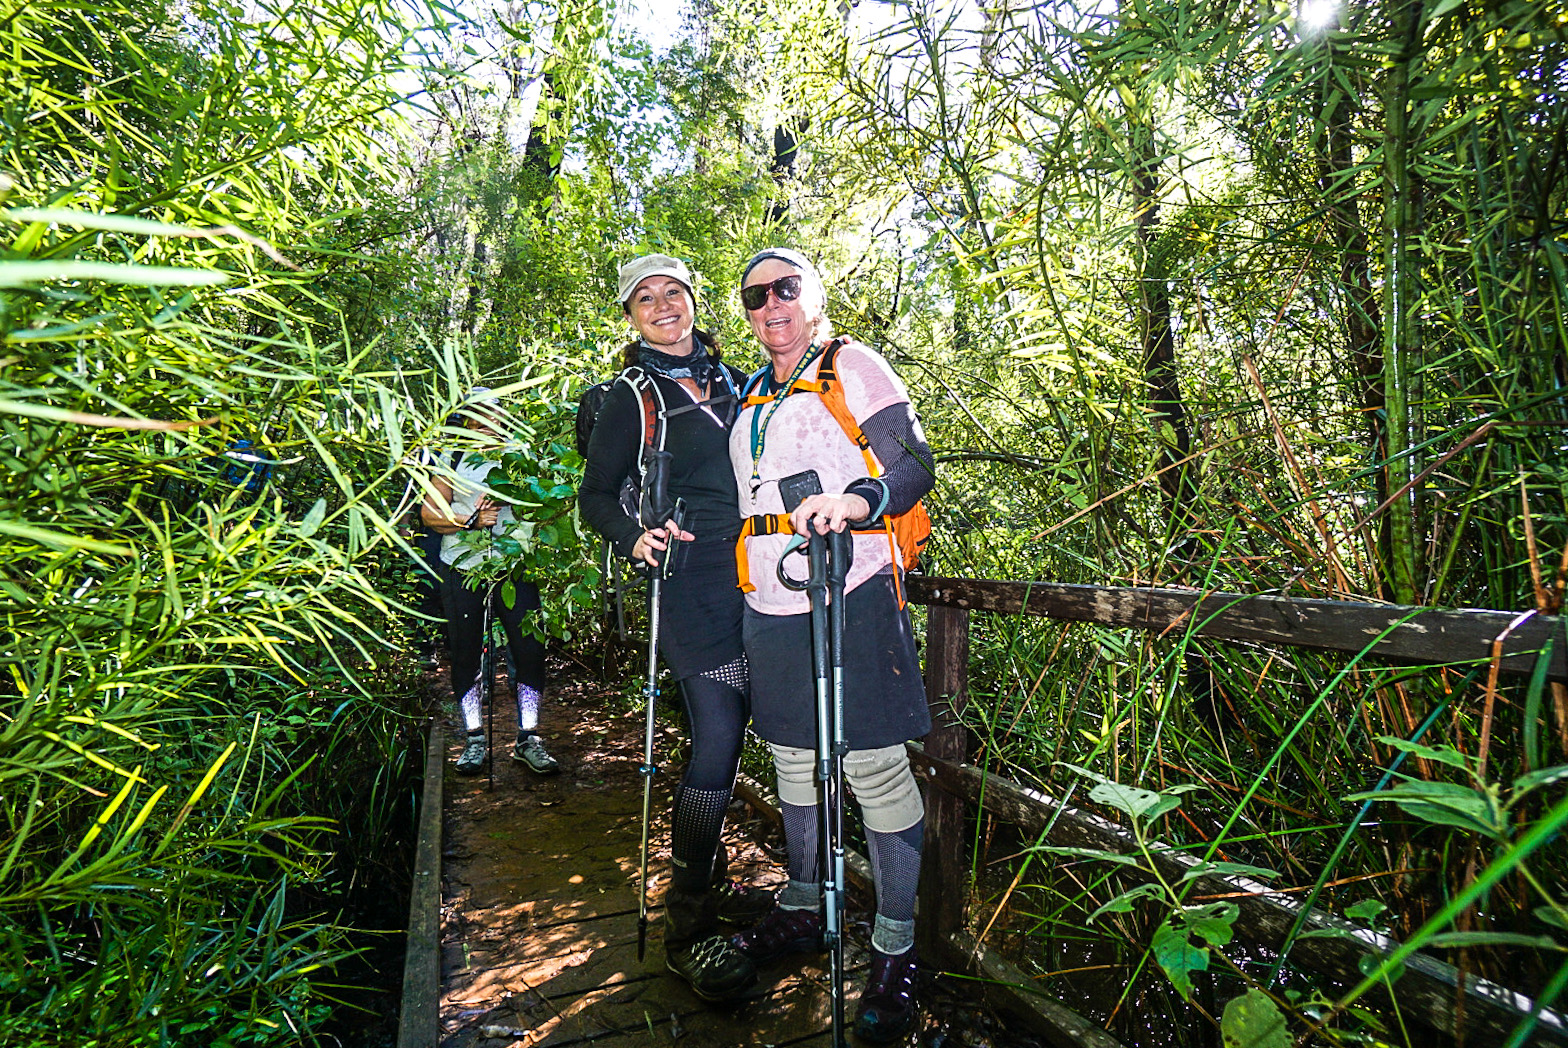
[764,414]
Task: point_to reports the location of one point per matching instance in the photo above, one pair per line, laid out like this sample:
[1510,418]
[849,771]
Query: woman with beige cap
[699,605]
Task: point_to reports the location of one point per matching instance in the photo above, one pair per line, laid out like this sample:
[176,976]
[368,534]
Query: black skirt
[700,609]
[884,695]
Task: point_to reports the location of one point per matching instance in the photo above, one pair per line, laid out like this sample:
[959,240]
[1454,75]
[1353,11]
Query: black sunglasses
[756,296]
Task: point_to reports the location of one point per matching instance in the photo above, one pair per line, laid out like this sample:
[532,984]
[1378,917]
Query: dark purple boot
[887,1007]
[779,934]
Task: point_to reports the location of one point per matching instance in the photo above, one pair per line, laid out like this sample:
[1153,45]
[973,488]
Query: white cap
[640,269]
[785,255]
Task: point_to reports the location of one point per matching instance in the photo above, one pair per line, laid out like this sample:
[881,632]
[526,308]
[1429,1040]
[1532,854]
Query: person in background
[784,431]
[700,608]
[469,519]
[428,569]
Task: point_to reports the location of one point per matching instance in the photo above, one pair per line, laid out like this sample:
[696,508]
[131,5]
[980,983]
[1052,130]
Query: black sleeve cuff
[874,491]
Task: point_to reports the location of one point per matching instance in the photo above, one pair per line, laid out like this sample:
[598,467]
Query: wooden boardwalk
[538,919]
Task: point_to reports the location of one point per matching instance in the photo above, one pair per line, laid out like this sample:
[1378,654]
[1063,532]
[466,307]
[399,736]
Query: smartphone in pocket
[794,489]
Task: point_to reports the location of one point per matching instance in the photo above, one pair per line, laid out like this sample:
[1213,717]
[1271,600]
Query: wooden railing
[1430,992]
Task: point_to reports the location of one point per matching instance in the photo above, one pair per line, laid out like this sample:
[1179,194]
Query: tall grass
[1344,447]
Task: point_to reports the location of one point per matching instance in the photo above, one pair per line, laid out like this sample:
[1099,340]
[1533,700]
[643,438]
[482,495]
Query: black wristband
[875,493]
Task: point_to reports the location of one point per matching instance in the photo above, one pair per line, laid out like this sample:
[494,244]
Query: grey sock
[800,895]
[527,709]
[892,937]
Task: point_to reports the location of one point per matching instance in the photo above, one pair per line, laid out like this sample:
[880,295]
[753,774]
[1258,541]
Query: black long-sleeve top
[909,469]
[700,470]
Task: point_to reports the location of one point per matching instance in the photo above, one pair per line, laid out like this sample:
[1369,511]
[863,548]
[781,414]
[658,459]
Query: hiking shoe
[472,760]
[530,751]
[741,903]
[887,1007]
[780,934]
[713,967]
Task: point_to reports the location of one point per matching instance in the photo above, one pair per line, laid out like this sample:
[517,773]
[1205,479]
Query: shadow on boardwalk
[539,906]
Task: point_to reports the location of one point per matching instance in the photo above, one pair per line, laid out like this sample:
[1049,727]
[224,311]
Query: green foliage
[230,226]
[538,474]
[1253,1020]
[196,546]
[1181,940]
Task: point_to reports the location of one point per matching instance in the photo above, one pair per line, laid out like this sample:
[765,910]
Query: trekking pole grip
[841,554]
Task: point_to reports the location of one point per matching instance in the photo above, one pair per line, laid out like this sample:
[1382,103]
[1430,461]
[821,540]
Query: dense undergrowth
[1187,294]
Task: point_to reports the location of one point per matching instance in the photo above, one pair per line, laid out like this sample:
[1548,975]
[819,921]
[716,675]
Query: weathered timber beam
[418,1023]
[1431,992]
[1009,987]
[1423,635]
[943,866]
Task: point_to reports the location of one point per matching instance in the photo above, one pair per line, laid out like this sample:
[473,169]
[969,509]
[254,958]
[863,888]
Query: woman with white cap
[469,520]
[700,608]
[783,432]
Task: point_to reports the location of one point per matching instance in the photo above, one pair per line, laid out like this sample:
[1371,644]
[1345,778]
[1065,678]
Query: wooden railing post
[943,870]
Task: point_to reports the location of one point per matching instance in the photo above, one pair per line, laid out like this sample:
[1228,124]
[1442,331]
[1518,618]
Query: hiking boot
[472,760]
[530,751]
[711,965]
[780,934]
[713,968]
[741,903]
[887,1007]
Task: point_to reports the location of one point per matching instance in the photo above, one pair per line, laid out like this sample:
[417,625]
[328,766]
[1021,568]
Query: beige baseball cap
[645,266]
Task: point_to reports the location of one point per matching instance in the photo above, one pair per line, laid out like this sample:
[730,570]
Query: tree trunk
[1363,321]
[1168,413]
[541,164]
[1401,333]
[786,149]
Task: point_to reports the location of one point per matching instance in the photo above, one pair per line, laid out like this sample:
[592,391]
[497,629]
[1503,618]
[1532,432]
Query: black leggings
[716,710]
[465,625]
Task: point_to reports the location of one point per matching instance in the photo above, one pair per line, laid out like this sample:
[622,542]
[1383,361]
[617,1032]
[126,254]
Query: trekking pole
[650,691]
[650,694]
[830,766]
[840,554]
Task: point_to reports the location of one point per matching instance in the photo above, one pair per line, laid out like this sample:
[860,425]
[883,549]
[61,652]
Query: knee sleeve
[797,771]
[889,799]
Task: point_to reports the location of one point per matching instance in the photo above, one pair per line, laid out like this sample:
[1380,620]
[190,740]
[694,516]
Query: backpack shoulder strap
[831,390]
[654,412]
[749,396]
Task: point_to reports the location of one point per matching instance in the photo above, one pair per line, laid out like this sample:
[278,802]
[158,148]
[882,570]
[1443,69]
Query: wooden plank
[419,1021]
[944,888]
[1009,987]
[1421,635]
[1431,992]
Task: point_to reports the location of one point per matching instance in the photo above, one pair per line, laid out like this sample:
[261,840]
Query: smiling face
[661,310]
[785,329]
[488,420]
